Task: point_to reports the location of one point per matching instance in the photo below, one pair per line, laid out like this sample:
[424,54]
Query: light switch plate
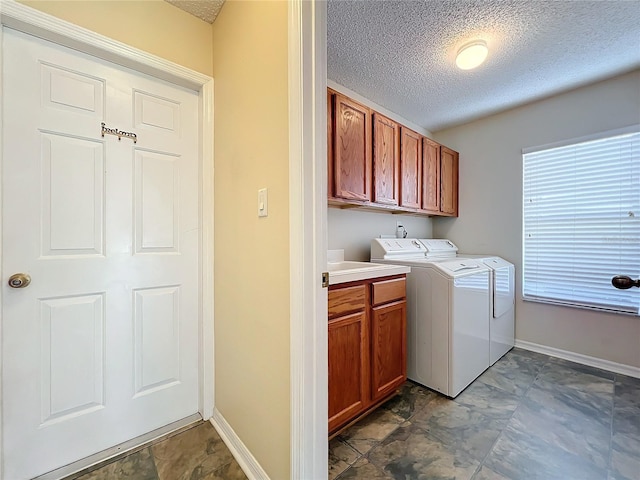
[263,202]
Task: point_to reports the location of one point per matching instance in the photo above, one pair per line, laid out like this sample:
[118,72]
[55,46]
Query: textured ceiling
[401,54]
[206,10]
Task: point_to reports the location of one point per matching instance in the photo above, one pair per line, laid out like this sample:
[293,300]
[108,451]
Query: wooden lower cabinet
[348,367]
[388,348]
[367,346]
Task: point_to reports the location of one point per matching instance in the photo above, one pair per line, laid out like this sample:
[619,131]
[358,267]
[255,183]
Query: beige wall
[351,229]
[251,253]
[491,205]
[154,26]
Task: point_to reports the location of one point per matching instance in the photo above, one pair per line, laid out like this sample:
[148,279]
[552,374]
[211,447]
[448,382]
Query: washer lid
[439,247]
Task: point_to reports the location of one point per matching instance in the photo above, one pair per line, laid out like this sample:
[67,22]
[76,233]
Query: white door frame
[34,22]
[308,237]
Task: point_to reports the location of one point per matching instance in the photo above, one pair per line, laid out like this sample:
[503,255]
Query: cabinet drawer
[348,299]
[388,290]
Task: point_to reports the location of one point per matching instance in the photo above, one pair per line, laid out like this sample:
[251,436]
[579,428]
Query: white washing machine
[447,320]
[501,299]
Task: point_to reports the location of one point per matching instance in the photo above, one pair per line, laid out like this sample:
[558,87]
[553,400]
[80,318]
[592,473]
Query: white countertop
[342,272]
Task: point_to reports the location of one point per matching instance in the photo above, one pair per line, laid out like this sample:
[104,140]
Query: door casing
[31,21]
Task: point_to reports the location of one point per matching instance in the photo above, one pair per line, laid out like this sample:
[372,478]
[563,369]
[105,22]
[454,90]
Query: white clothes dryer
[501,297]
[447,320]
[501,305]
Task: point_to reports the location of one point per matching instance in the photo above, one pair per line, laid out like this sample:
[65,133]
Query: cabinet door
[348,368]
[449,181]
[330,128]
[410,168]
[388,348]
[430,175]
[386,160]
[352,150]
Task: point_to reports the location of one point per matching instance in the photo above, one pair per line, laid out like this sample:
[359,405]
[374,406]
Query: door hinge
[325,279]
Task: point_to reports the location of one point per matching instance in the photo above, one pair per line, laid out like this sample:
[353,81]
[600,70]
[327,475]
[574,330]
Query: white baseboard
[621,368]
[250,466]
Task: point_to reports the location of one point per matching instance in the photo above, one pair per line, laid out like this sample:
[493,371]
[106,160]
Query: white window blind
[582,223]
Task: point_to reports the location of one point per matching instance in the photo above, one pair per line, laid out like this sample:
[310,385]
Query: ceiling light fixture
[472,54]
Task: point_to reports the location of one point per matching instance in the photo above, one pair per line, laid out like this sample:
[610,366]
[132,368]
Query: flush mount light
[472,54]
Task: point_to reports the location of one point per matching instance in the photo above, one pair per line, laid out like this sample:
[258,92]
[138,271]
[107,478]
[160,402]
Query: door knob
[623,282]
[19,280]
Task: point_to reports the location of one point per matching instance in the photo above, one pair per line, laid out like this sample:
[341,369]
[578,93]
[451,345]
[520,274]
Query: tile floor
[528,417]
[194,454]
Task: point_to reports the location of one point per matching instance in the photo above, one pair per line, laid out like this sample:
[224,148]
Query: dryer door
[503,289]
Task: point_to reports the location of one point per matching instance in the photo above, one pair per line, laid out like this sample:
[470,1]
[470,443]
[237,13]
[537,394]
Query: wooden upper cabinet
[331,95]
[410,168]
[430,175]
[351,150]
[449,181]
[378,163]
[386,160]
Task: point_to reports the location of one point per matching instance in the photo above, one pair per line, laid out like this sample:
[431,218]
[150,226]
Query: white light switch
[263,202]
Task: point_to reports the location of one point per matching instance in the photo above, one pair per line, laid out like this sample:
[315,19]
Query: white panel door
[102,346]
